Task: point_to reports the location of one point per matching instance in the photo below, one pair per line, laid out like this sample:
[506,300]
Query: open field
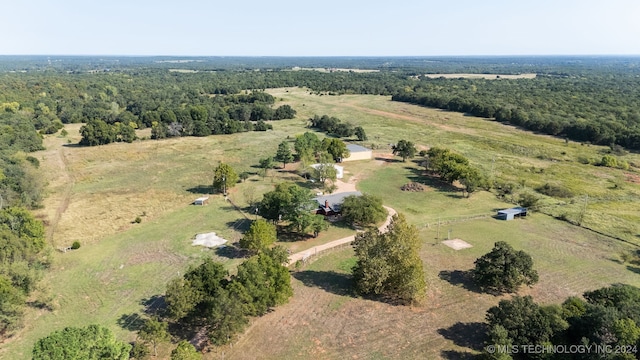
[96,193]
[326,320]
[481,76]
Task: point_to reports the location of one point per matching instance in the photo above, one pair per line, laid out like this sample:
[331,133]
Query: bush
[138,220]
[75,245]
[555,191]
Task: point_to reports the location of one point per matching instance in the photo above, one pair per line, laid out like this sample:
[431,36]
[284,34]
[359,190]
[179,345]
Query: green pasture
[122,265]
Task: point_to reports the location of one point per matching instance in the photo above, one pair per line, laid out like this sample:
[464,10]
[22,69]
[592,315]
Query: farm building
[510,214]
[330,204]
[358,153]
[339,170]
[201,201]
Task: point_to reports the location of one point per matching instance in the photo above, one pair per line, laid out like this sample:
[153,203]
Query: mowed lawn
[96,193]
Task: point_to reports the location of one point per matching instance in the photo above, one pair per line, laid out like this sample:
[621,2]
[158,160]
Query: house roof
[356,148]
[514,211]
[335,200]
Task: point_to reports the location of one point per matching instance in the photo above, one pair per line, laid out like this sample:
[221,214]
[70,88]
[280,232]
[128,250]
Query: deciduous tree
[224,177]
[405,149]
[284,154]
[504,269]
[260,236]
[365,210]
[92,343]
[154,331]
[389,263]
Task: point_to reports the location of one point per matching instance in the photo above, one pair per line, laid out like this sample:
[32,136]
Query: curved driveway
[305,254]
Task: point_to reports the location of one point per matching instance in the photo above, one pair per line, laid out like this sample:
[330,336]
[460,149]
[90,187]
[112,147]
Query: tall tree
[266,164]
[405,149]
[284,154]
[504,269]
[389,263]
[336,148]
[260,236]
[285,202]
[185,351]
[365,210]
[359,131]
[154,331]
[224,177]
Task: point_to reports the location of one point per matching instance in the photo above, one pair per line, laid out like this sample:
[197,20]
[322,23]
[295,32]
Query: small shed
[201,201]
[358,152]
[510,214]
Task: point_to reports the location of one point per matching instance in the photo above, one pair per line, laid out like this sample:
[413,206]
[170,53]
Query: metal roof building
[510,214]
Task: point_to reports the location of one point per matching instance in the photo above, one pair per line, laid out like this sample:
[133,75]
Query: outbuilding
[358,152]
[201,201]
[510,214]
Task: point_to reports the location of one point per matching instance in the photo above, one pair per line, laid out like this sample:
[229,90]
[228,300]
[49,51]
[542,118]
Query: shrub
[555,191]
[75,245]
[138,220]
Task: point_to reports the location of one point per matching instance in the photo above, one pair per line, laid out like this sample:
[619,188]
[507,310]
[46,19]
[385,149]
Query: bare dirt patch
[633,178]
[457,244]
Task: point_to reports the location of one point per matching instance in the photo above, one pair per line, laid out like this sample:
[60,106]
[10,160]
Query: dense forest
[591,100]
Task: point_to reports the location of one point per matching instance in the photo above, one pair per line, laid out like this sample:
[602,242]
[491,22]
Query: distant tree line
[597,109]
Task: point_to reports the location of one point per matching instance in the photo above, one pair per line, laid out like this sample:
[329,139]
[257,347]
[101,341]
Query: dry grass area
[326,320]
[481,76]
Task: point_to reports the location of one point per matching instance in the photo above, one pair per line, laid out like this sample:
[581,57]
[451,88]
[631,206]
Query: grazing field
[96,194]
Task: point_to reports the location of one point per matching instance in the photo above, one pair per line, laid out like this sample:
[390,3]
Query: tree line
[600,109]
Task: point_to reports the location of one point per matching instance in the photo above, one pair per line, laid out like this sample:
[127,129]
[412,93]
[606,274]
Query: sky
[320,28]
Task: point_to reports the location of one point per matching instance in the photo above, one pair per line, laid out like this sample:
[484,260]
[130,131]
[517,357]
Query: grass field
[96,193]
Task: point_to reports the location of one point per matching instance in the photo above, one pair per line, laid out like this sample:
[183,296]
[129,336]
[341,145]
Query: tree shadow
[231,252]
[241,225]
[460,278]
[634,269]
[469,335]
[458,355]
[330,281]
[387,160]
[131,322]
[155,305]
[433,181]
[201,189]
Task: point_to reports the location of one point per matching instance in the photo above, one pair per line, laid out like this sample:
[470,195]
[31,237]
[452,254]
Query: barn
[358,152]
[510,214]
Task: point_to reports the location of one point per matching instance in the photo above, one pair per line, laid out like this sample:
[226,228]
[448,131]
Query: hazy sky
[320,28]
